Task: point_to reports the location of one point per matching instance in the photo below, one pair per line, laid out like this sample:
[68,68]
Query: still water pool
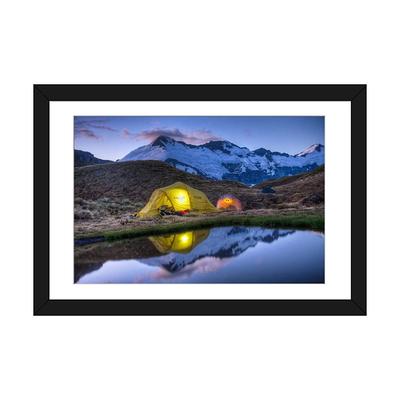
[219,255]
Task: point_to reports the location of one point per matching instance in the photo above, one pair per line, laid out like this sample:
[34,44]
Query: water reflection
[218,255]
[183,242]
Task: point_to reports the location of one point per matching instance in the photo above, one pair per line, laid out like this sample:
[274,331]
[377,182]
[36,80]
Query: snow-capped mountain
[311,149]
[225,160]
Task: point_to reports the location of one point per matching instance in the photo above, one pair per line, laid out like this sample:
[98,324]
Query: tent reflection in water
[181,242]
[179,197]
[228,201]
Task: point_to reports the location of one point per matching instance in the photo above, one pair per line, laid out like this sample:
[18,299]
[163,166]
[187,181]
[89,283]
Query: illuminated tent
[179,197]
[182,242]
[229,201]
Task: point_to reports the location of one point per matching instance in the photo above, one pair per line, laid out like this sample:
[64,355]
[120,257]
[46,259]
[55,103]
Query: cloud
[88,128]
[87,133]
[103,127]
[127,134]
[197,137]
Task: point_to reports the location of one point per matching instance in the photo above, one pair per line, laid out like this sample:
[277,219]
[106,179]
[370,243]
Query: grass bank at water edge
[304,221]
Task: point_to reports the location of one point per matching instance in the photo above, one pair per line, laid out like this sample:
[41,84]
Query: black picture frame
[44,94]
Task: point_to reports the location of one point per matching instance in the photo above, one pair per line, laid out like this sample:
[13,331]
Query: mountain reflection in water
[218,255]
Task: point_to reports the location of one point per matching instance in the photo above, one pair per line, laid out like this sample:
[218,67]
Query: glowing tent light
[178,197]
[181,198]
[229,201]
[179,242]
[184,238]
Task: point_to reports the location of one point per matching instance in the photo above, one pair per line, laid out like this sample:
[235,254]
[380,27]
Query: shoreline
[306,220]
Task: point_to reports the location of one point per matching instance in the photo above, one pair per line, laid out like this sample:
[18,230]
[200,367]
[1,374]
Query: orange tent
[228,201]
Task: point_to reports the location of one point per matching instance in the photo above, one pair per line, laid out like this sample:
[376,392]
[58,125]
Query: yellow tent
[182,242]
[178,196]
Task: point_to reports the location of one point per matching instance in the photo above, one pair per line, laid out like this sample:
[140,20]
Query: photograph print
[199,199]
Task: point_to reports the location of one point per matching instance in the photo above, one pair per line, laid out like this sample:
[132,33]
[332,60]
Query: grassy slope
[134,181]
[290,179]
[106,193]
[314,221]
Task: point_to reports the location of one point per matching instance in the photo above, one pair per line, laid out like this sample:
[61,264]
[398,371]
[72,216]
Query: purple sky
[111,137]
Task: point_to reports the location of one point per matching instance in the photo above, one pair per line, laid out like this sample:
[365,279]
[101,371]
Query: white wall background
[198,357]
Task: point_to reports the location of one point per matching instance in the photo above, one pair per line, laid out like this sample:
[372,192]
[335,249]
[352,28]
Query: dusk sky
[111,138]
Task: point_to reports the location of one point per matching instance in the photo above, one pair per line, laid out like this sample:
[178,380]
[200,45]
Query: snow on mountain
[225,160]
[311,149]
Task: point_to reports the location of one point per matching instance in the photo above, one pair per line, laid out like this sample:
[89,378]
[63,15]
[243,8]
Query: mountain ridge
[224,160]
[85,158]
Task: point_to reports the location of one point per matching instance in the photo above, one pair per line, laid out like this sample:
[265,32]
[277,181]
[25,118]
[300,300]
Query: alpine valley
[223,160]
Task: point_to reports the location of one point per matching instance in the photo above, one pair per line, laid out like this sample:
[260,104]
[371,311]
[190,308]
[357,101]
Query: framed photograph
[200,199]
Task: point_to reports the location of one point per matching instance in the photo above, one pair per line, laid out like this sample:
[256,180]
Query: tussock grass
[94,209]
